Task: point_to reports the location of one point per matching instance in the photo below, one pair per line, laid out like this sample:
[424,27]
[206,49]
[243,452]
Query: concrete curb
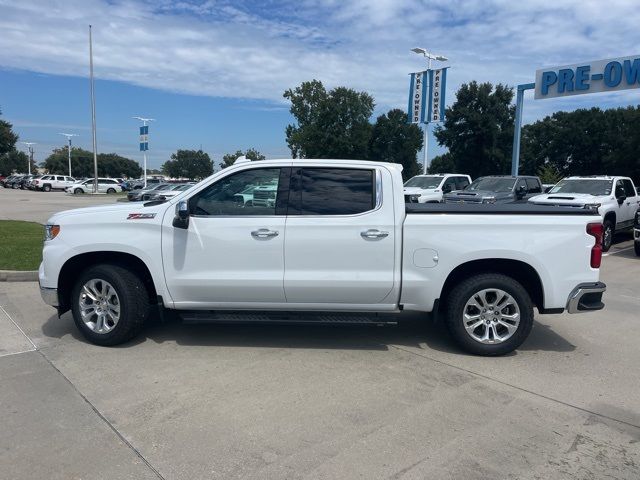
[17,276]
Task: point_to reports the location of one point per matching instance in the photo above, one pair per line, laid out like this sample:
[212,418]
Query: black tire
[607,235]
[636,247]
[110,191]
[46,188]
[465,290]
[77,191]
[133,301]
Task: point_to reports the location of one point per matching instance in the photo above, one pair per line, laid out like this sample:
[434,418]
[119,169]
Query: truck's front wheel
[489,314]
[109,304]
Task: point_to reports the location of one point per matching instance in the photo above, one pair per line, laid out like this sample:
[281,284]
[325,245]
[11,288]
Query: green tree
[396,141]
[191,164]
[548,173]
[109,164]
[478,129]
[14,161]
[230,158]
[333,124]
[8,137]
[11,160]
[442,164]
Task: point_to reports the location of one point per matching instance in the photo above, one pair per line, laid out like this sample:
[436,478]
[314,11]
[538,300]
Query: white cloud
[227,49]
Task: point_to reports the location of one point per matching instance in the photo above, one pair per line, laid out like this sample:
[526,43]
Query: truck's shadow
[412,331]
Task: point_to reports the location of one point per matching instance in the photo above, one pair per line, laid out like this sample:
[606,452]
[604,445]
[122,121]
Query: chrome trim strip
[378,189]
[50,296]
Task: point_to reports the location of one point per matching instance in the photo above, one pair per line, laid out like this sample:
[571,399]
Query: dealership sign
[589,77]
[417,97]
[426,96]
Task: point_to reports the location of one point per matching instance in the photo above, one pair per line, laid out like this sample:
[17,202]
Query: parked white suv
[46,183]
[105,185]
[615,198]
[430,188]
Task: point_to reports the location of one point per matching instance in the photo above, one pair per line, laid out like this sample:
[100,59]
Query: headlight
[488,199]
[592,206]
[51,232]
[414,198]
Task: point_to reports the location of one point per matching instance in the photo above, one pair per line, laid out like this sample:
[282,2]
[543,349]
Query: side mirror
[620,195]
[446,189]
[521,191]
[181,219]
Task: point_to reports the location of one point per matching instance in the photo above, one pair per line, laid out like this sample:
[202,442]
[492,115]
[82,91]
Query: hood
[125,209]
[569,199]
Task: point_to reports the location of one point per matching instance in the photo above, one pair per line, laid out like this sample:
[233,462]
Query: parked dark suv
[497,189]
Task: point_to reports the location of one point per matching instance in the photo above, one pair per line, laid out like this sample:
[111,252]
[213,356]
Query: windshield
[492,184]
[591,187]
[424,182]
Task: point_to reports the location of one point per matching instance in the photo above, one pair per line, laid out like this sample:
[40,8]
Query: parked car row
[615,198]
[158,191]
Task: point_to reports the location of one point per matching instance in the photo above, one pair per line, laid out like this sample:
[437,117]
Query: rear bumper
[586,297]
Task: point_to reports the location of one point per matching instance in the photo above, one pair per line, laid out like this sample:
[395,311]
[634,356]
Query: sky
[212,73]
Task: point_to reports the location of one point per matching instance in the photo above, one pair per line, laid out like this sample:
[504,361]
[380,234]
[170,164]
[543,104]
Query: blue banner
[416,110]
[437,89]
[144,138]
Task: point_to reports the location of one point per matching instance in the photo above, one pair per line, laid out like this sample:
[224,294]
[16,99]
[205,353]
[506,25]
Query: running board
[318,318]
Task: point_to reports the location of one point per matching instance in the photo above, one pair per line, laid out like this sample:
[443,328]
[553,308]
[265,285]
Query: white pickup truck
[431,188]
[615,198]
[337,245]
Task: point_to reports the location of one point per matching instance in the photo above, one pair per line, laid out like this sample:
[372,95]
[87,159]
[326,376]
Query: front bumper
[586,297]
[50,296]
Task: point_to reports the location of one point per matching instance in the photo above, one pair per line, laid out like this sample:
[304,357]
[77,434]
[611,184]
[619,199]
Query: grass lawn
[20,245]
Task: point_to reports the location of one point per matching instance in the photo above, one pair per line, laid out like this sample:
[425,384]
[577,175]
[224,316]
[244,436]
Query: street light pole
[30,150]
[69,136]
[440,58]
[144,152]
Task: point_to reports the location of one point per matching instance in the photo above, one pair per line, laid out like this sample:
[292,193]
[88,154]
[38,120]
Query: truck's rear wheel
[489,314]
[110,304]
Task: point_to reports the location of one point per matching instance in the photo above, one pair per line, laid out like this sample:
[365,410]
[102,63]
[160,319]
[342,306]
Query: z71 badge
[140,216]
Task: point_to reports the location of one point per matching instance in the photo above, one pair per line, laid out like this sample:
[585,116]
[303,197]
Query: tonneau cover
[494,209]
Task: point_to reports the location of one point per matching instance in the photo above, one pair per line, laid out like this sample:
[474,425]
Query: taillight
[596,230]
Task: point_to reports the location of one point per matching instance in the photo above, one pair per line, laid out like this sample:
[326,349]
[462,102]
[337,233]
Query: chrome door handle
[264,233]
[373,233]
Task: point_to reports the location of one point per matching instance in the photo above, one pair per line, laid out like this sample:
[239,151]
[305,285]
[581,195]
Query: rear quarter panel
[557,247]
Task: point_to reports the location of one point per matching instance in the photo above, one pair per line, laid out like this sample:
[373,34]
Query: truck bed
[493,209]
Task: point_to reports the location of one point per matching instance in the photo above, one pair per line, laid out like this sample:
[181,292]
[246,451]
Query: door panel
[333,259]
[232,251]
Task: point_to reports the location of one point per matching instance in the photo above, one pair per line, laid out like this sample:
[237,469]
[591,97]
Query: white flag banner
[417,97]
[437,88]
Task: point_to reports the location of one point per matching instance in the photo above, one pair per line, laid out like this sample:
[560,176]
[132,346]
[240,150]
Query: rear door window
[332,191]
